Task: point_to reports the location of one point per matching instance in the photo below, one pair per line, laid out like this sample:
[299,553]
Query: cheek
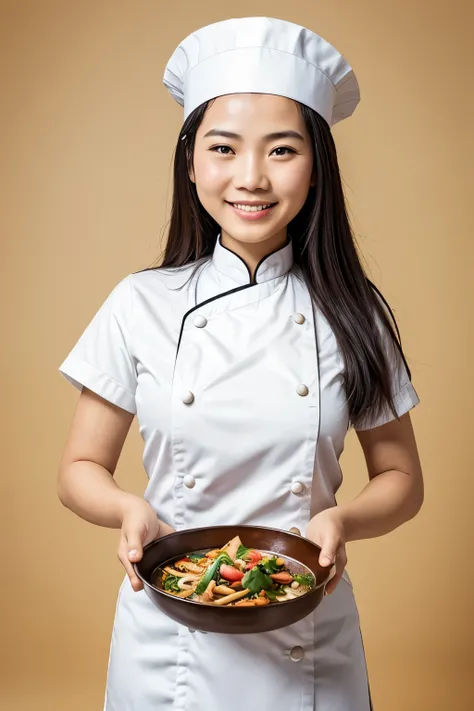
[210,175]
[292,180]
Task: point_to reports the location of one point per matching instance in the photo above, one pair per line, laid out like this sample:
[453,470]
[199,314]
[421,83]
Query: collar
[274,265]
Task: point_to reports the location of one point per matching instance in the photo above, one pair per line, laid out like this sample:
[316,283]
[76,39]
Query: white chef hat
[262,55]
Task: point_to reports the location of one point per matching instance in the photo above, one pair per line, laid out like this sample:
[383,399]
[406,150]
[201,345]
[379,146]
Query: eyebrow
[276,136]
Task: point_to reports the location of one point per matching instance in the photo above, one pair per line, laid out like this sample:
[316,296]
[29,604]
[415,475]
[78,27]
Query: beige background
[88,133]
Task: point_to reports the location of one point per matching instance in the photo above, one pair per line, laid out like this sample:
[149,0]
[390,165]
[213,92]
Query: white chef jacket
[238,392]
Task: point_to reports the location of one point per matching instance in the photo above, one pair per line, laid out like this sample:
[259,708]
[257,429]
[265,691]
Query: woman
[246,356]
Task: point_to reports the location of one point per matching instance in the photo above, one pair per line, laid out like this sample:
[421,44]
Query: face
[238,162]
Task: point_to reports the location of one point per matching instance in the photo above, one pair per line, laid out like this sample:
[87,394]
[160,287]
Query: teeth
[251,208]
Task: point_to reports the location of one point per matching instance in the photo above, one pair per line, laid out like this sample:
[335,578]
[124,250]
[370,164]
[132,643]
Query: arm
[395,490]
[393,495]
[86,482]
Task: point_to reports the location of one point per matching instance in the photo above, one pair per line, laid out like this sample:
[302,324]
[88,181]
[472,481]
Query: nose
[250,174]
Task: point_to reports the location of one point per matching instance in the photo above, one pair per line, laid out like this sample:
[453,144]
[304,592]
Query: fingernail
[325,560]
[132,554]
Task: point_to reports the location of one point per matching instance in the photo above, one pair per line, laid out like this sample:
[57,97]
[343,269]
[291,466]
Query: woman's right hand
[140,526]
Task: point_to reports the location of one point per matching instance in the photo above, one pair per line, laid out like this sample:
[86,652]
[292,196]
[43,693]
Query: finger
[134,542]
[329,548]
[122,553]
[341,561]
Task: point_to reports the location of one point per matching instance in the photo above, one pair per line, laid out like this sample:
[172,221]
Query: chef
[246,357]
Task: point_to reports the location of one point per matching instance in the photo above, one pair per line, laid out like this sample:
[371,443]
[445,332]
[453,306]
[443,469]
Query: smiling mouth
[251,208]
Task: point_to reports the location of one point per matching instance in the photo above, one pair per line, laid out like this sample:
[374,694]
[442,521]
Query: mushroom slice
[183,583]
[177,574]
[191,567]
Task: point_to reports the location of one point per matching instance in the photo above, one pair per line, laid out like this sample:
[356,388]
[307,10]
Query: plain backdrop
[88,133]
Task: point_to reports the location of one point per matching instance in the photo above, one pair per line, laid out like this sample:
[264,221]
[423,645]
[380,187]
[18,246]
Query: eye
[284,148]
[215,149]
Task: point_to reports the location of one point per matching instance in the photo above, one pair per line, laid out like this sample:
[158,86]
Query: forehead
[248,113]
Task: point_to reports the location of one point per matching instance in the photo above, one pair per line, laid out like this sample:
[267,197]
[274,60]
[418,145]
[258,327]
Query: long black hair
[324,249]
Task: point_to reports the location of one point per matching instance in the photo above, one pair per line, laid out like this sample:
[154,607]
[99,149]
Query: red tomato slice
[230,573]
[255,556]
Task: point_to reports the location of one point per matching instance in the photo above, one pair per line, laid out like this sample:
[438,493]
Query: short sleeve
[404,394]
[102,359]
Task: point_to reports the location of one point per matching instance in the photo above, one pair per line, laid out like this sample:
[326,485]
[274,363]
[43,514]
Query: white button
[200,321]
[297,654]
[295,530]
[298,318]
[187,397]
[192,631]
[302,390]
[297,487]
[189,481]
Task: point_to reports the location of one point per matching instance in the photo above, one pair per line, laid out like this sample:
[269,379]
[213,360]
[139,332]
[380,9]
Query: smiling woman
[247,355]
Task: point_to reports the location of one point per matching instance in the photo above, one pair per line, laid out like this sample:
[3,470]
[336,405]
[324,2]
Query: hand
[140,526]
[326,529]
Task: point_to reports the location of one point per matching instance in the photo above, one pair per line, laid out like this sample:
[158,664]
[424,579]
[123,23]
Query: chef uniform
[238,390]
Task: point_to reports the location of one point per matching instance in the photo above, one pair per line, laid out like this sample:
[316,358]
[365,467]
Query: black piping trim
[227,293]
[242,260]
[203,303]
[263,259]
[288,240]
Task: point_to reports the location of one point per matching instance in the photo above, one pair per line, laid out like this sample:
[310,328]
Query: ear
[191,175]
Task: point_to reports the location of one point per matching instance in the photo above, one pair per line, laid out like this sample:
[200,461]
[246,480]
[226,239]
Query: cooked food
[234,576]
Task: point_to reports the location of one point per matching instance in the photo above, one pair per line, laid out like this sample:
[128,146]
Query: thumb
[135,545]
[328,551]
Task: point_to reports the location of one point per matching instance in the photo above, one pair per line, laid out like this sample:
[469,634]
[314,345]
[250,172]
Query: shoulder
[167,279]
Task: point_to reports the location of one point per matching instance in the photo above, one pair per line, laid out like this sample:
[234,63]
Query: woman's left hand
[326,529]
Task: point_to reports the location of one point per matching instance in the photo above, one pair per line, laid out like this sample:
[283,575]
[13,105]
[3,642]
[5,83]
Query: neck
[253,253]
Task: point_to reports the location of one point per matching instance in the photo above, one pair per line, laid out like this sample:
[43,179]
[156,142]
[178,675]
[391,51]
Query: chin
[251,234]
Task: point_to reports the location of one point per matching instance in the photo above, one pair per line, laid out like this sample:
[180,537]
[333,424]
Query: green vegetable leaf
[171,584]
[242,552]
[304,579]
[256,580]
[272,594]
[195,556]
[213,572]
[269,565]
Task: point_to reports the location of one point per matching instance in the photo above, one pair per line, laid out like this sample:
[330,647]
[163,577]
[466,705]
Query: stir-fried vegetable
[234,575]
[256,580]
[272,565]
[171,584]
[304,579]
[242,552]
[210,573]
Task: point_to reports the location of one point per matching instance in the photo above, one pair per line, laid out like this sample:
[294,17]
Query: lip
[250,202]
[251,216]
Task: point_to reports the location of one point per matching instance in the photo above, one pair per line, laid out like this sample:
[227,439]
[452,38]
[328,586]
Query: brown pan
[233,620]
